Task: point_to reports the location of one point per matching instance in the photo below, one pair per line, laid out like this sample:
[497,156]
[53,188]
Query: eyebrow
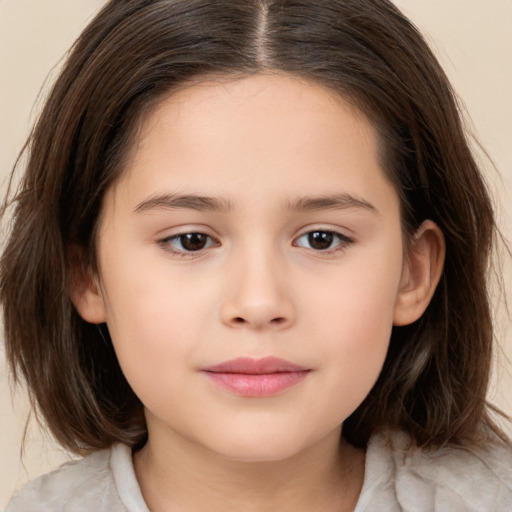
[333,202]
[205,203]
[191,202]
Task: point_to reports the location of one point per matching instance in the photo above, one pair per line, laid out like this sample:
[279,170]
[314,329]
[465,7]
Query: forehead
[256,101]
[262,131]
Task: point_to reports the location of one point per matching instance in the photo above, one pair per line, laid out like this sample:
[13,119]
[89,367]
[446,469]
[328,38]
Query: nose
[259,295]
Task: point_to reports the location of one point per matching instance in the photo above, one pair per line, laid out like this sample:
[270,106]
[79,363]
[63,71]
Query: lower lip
[257,385]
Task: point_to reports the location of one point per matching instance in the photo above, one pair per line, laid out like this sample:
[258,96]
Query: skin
[266,148]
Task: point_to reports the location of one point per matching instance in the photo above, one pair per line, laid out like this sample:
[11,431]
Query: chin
[270,446]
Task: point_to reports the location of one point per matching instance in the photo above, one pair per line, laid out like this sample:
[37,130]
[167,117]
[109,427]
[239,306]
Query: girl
[247,267]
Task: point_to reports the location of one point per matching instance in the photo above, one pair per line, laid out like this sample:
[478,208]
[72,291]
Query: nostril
[276,321]
[257,319]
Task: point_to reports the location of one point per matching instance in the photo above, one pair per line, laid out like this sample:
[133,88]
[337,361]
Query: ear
[85,293]
[423,266]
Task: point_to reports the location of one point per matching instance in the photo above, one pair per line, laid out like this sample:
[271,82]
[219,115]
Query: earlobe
[421,273]
[86,295]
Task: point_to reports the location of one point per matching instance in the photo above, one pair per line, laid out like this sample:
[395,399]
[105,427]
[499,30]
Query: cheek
[357,338]
[153,341]
[152,320]
[353,316]
[147,295]
[353,362]
[358,300]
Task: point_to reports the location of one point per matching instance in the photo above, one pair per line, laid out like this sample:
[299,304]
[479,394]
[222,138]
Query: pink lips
[256,377]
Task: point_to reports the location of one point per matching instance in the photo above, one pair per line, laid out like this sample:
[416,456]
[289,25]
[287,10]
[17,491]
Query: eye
[320,240]
[188,242]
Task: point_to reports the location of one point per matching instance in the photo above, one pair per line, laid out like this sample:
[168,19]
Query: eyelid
[164,242]
[344,240]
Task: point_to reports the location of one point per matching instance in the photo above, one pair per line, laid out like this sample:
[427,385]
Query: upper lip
[253,366]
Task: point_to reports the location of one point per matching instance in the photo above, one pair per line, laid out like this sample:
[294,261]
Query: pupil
[320,239]
[193,241]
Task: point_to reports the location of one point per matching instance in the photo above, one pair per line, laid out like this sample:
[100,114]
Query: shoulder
[450,478]
[86,484]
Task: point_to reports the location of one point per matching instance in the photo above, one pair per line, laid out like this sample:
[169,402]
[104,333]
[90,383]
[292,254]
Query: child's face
[299,257]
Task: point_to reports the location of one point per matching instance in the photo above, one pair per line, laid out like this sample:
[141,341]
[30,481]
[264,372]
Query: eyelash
[166,244]
[330,235]
[343,240]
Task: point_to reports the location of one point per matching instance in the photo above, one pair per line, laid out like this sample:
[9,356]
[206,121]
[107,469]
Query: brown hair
[435,377]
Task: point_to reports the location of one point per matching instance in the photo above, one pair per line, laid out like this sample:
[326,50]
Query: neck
[182,476]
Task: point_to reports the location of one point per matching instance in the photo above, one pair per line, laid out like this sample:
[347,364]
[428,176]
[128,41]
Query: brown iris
[193,241]
[320,240]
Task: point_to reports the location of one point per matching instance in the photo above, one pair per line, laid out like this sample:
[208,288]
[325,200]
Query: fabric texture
[398,477]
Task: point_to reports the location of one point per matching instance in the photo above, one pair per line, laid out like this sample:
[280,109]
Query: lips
[256,377]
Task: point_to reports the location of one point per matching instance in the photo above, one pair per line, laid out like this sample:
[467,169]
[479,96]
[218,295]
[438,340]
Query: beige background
[473,39]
